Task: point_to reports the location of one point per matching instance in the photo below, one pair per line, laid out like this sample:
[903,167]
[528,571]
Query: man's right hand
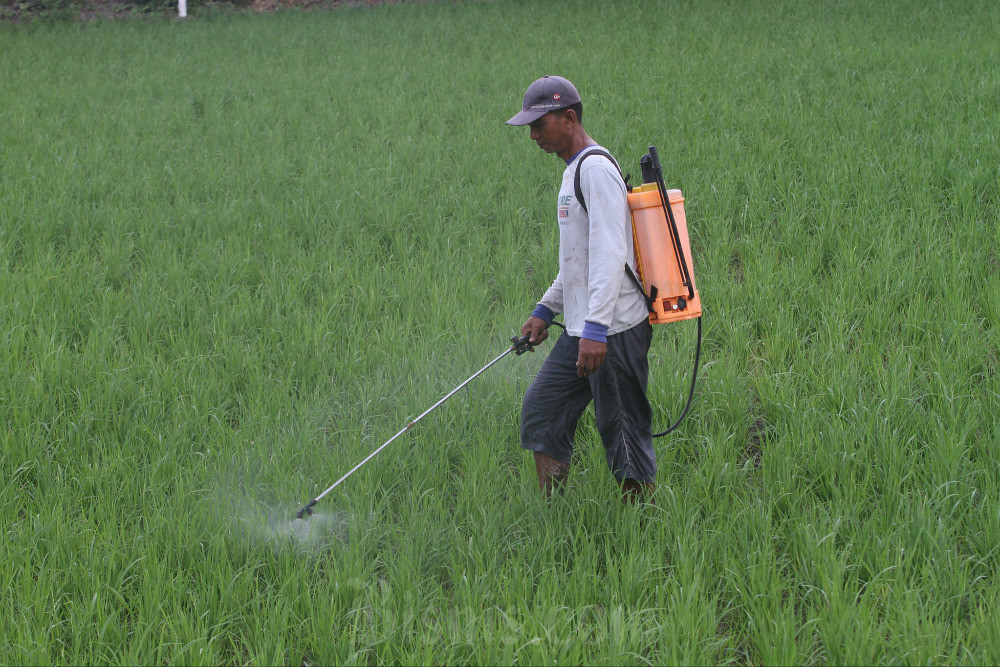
[537,328]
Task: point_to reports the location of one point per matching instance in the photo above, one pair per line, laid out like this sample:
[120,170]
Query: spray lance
[518,346]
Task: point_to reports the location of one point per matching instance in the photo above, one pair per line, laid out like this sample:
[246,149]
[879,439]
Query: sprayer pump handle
[656,158]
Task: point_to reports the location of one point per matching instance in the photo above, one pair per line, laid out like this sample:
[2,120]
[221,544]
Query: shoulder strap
[651,296]
[578,191]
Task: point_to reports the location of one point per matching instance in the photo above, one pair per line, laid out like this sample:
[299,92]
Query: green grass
[239,252]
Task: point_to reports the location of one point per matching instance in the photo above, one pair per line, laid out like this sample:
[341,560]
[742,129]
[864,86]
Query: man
[603,354]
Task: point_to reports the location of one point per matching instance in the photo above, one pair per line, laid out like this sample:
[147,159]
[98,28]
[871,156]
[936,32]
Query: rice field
[237,253]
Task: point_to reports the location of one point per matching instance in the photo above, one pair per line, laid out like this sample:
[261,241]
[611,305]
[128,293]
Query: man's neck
[580,141]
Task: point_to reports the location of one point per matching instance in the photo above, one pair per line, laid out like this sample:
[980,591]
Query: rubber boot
[551,473]
[634,491]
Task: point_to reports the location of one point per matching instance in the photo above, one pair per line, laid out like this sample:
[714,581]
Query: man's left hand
[590,357]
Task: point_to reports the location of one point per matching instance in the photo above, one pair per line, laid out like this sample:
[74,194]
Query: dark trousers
[558,396]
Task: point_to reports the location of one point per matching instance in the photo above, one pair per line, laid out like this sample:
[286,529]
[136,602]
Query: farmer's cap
[544,95]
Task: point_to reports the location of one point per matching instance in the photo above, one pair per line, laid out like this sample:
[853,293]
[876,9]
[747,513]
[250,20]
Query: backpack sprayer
[663,255]
[666,279]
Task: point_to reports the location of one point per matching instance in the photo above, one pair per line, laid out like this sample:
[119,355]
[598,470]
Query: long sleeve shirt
[592,288]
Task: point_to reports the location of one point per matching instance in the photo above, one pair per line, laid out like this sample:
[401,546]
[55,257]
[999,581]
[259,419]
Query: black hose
[694,379]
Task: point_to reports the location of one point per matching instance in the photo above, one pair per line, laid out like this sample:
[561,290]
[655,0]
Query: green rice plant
[238,253]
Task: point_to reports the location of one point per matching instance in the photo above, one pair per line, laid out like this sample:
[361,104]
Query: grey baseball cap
[544,95]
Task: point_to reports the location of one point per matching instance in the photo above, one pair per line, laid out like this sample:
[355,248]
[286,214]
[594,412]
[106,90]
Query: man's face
[551,132]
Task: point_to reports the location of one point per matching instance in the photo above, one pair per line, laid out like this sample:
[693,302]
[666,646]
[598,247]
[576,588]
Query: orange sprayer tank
[657,258]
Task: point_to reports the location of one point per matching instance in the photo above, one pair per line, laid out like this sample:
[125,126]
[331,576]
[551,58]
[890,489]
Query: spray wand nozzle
[307,510]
